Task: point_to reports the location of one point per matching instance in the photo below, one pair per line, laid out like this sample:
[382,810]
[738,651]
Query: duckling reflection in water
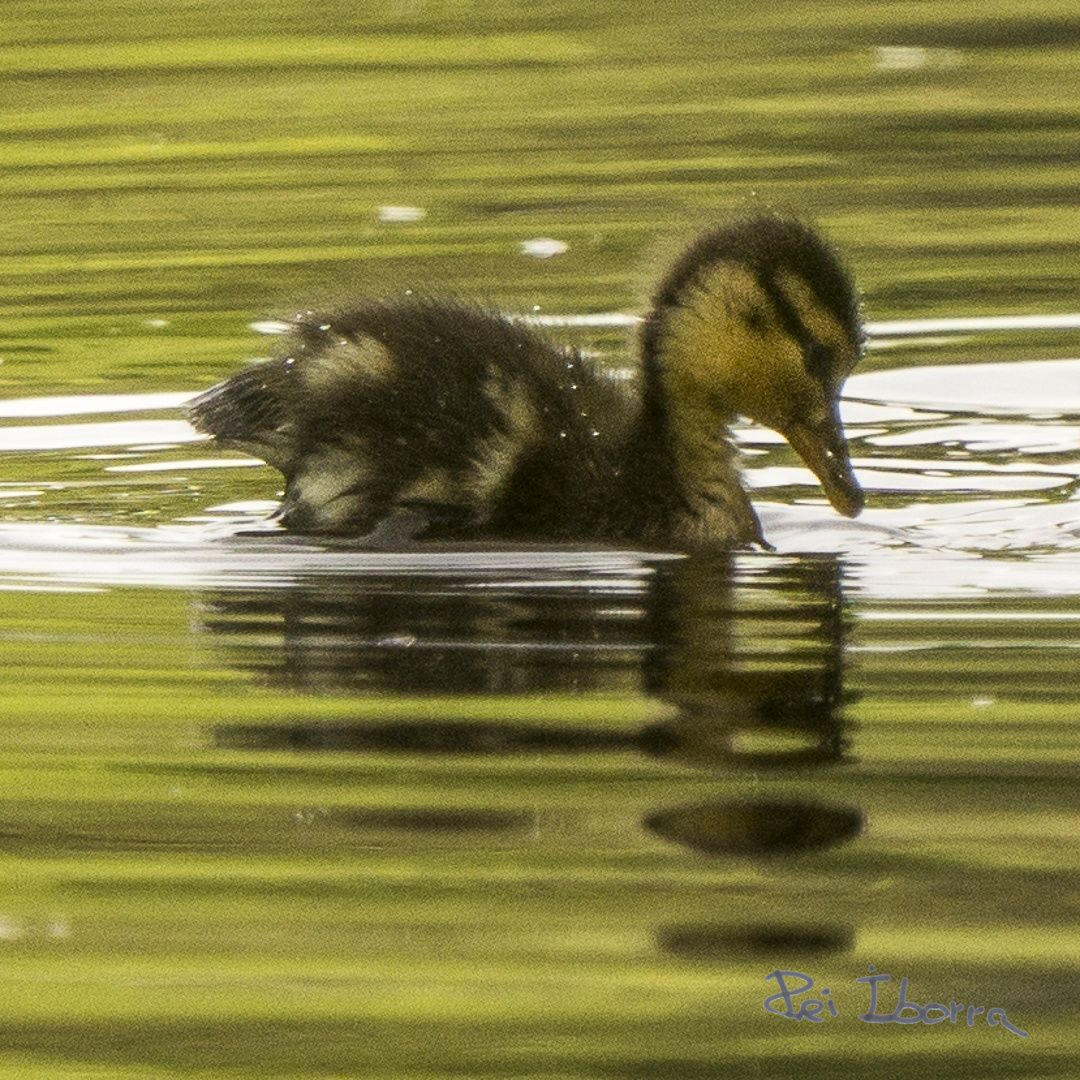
[412,417]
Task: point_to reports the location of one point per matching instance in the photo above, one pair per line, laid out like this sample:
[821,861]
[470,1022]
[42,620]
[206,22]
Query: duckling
[412,417]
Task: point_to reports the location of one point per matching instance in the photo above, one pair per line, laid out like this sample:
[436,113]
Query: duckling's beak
[824,448]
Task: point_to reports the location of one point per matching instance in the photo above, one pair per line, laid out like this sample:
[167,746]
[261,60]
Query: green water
[277,809]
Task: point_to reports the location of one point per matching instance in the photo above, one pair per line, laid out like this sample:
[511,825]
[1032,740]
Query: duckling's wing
[340,363]
[250,412]
[272,395]
[239,408]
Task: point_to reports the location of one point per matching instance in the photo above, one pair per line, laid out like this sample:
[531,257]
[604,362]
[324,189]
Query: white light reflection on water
[184,465]
[85,404]
[880,562]
[932,527]
[207,557]
[878,479]
[111,433]
[977,436]
[1041,387]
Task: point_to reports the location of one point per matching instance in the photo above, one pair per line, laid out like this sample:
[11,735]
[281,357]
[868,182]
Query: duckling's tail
[243,409]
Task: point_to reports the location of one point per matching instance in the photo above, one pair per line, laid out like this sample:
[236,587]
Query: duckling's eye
[757,321]
[819,360]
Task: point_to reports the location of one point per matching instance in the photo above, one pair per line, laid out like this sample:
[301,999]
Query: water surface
[277,807]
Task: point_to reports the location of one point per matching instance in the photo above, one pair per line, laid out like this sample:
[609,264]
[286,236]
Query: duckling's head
[759,318]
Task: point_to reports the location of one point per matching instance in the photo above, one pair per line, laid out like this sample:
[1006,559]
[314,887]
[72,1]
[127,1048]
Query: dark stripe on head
[785,311]
[818,358]
[764,245]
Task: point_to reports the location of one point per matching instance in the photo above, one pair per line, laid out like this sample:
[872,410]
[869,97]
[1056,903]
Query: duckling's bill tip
[842,489]
[849,502]
[825,452]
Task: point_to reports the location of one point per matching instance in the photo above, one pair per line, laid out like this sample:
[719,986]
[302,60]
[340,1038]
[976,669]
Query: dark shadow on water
[427,820]
[756,673]
[752,666]
[757,826]
[366,1045]
[719,943]
[746,657]
[433,635]
[419,737]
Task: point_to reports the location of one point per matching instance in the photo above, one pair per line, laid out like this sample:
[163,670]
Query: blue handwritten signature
[794,1001]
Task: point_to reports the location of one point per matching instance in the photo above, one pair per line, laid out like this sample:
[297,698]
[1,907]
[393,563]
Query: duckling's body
[430,407]
[415,417]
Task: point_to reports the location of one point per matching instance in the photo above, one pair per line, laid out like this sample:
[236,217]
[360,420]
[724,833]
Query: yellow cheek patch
[726,352]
